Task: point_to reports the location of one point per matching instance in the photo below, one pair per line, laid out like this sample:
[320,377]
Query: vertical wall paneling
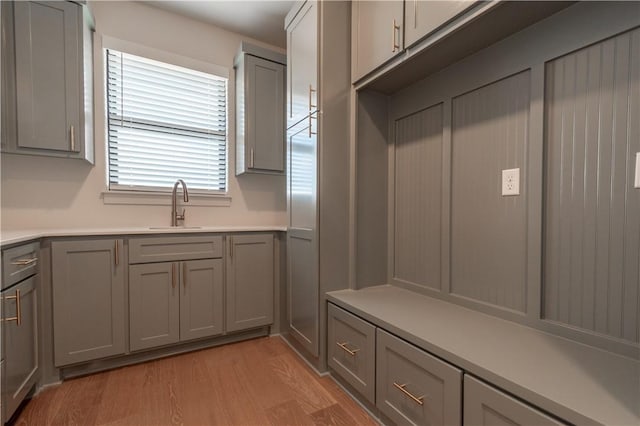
[372,190]
[488,231]
[592,211]
[418,198]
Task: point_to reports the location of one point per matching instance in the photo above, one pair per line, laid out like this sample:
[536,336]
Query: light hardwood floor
[257,382]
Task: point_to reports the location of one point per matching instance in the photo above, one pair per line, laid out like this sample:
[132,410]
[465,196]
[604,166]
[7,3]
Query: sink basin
[175,227]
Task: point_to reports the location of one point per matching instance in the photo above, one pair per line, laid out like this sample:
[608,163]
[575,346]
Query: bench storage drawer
[351,350]
[413,387]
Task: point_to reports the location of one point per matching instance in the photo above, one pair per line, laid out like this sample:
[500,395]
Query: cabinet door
[201,299]
[20,344]
[303,287]
[302,64]
[49,75]
[413,387]
[154,305]
[249,281]
[484,405]
[264,115]
[376,34]
[302,186]
[88,300]
[8,77]
[423,17]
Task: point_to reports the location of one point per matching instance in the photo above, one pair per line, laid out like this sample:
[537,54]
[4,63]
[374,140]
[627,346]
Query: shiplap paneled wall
[495,116]
[488,231]
[592,210]
[418,197]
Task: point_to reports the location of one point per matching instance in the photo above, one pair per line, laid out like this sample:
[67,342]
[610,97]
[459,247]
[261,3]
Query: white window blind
[165,122]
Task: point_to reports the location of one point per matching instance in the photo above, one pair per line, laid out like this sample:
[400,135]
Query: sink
[175,227]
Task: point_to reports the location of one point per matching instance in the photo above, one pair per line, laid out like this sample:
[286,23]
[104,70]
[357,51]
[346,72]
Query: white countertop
[19,236]
[578,383]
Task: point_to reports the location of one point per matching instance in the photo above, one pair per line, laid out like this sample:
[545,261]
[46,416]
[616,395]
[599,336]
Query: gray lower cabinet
[201,299]
[20,333]
[413,387]
[351,350]
[47,76]
[250,281]
[487,406]
[171,302]
[88,279]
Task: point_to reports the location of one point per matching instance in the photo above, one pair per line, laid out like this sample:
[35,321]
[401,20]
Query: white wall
[40,192]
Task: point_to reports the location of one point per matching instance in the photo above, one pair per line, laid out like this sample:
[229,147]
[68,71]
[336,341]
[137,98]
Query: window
[165,122]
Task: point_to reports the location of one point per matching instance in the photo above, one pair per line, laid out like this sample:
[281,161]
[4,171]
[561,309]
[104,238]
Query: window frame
[156,195]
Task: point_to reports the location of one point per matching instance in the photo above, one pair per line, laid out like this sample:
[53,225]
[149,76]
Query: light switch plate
[637,180]
[511,182]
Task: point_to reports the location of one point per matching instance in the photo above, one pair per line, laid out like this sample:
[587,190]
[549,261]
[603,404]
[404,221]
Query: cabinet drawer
[167,249]
[486,405]
[19,262]
[351,350]
[413,387]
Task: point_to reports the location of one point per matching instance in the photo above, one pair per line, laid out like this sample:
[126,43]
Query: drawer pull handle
[18,317]
[24,262]
[395,42]
[417,399]
[344,347]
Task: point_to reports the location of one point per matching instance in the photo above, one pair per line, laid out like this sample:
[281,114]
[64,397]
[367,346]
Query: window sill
[159,199]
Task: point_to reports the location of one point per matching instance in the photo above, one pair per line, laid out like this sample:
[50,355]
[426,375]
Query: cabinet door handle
[311,105]
[252,158]
[24,262]
[18,317]
[173,275]
[231,248]
[395,41]
[116,254]
[417,399]
[311,132]
[344,347]
[184,274]
[72,137]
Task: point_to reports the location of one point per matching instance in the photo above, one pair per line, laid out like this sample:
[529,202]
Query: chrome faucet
[175,217]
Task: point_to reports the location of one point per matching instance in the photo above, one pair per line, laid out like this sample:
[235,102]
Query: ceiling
[259,19]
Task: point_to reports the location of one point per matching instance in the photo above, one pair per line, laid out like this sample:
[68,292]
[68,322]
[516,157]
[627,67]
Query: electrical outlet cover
[511,182]
[637,180]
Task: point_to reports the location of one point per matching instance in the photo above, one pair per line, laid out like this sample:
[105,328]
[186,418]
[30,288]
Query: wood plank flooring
[257,382]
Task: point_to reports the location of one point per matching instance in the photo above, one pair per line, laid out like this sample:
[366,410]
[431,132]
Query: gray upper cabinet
[48,80]
[423,17]
[376,34]
[88,279]
[260,122]
[250,281]
[486,406]
[302,63]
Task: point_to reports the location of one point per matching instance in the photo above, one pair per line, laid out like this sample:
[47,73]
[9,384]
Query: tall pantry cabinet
[318,83]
